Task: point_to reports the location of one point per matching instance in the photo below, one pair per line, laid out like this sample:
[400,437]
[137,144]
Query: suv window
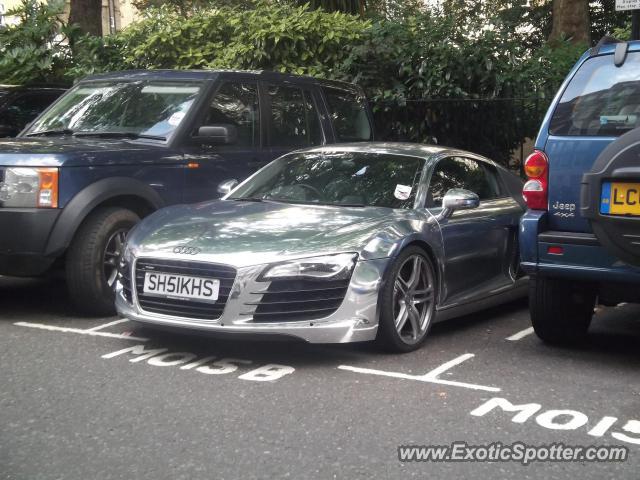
[601,99]
[349,115]
[294,118]
[237,104]
[28,106]
[458,172]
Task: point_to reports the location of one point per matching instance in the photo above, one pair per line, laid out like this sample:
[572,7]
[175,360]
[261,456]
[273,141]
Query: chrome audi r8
[341,243]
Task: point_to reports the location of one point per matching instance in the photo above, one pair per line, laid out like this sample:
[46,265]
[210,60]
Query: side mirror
[458,199]
[226,186]
[222,134]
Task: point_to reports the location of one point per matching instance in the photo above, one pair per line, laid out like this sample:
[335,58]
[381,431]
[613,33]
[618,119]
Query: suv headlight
[327,267]
[29,187]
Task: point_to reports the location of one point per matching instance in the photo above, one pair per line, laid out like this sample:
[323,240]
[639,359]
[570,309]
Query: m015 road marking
[520,335]
[561,419]
[80,331]
[429,377]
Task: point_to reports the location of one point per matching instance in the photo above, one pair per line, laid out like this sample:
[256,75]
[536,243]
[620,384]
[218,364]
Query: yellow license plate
[620,198]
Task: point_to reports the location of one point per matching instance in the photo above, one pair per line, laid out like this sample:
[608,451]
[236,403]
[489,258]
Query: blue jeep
[119,146]
[580,238]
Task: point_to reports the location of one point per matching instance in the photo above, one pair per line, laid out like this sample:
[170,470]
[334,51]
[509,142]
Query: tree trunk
[571,20]
[87,14]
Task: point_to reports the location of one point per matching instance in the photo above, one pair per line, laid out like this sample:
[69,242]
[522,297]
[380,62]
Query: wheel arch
[437,264]
[122,192]
[430,250]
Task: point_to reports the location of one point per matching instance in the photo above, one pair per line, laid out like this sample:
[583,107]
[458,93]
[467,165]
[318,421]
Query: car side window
[348,113]
[236,103]
[27,107]
[459,172]
[293,118]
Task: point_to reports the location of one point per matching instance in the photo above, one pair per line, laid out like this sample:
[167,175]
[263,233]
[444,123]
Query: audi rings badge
[186,250]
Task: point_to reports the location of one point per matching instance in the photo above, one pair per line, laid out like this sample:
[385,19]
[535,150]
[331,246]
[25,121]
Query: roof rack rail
[606,40]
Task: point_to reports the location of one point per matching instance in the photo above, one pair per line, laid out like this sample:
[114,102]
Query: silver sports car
[343,243]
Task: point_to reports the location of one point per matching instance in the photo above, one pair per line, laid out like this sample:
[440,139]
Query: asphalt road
[76,404]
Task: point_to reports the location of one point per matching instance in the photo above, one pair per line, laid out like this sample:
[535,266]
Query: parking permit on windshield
[402,192]
[176,118]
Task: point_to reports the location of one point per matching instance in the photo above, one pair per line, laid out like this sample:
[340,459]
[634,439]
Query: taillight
[535,191]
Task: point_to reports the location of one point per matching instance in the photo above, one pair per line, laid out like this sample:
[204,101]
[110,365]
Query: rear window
[601,100]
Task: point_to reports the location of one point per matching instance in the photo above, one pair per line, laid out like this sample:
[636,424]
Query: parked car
[20,105]
[119,146]
[340,243]
[580,237]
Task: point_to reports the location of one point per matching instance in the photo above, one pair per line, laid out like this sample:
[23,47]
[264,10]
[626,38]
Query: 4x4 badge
[186,250]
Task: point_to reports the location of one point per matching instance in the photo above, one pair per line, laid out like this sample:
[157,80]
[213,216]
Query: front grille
[293,300]
[124,277]
[185,307]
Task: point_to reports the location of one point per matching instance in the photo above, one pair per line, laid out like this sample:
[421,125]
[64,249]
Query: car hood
[69,151]
[245,233]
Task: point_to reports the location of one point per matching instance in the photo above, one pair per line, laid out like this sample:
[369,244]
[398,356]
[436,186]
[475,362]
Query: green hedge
[417,56]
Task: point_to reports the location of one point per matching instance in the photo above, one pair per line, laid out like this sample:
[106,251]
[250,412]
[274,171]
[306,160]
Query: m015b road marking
[161,357]
[564,419]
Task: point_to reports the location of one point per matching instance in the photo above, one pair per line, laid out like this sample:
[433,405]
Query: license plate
[620,198]
[181,286]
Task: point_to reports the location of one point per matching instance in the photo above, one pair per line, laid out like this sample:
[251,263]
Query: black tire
[388,337]
[561,310]
[86,281]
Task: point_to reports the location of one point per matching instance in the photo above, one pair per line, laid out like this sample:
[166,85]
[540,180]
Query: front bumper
[356,320]
[24,233]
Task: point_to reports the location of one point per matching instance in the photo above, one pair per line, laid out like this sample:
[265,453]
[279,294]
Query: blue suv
[119,146]
[580,238]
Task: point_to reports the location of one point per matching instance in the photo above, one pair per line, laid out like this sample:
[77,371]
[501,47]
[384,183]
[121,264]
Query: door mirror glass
[458,199]
[218,134]
[226,186]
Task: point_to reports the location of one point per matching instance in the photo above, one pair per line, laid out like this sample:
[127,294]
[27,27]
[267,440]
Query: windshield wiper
[246,199]
[47,133]
[322,204]
[117,135]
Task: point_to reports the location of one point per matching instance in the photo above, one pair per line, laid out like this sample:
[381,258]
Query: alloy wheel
[111,255]
[413,299]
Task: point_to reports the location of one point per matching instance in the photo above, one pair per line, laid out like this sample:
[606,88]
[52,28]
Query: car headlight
[327,267]
[29,187]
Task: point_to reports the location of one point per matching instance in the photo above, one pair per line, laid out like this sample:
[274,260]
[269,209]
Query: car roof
[33,87]
[195,75]
[395,148]
[610,47]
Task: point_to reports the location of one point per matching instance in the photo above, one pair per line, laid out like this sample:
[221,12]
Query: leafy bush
[34,50]
[278,37]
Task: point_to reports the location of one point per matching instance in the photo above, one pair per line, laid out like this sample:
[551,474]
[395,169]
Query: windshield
[601,100]
[343,178]
[141,108]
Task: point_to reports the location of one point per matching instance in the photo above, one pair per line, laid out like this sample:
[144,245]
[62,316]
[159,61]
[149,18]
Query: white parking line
[429,377]
[520,335]
[100,327]
[79,331]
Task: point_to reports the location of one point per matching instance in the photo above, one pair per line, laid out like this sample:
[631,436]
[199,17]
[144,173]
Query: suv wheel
[92,259]
[561,310]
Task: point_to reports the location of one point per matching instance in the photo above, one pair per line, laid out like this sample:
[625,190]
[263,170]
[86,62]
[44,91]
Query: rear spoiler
[620,54]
